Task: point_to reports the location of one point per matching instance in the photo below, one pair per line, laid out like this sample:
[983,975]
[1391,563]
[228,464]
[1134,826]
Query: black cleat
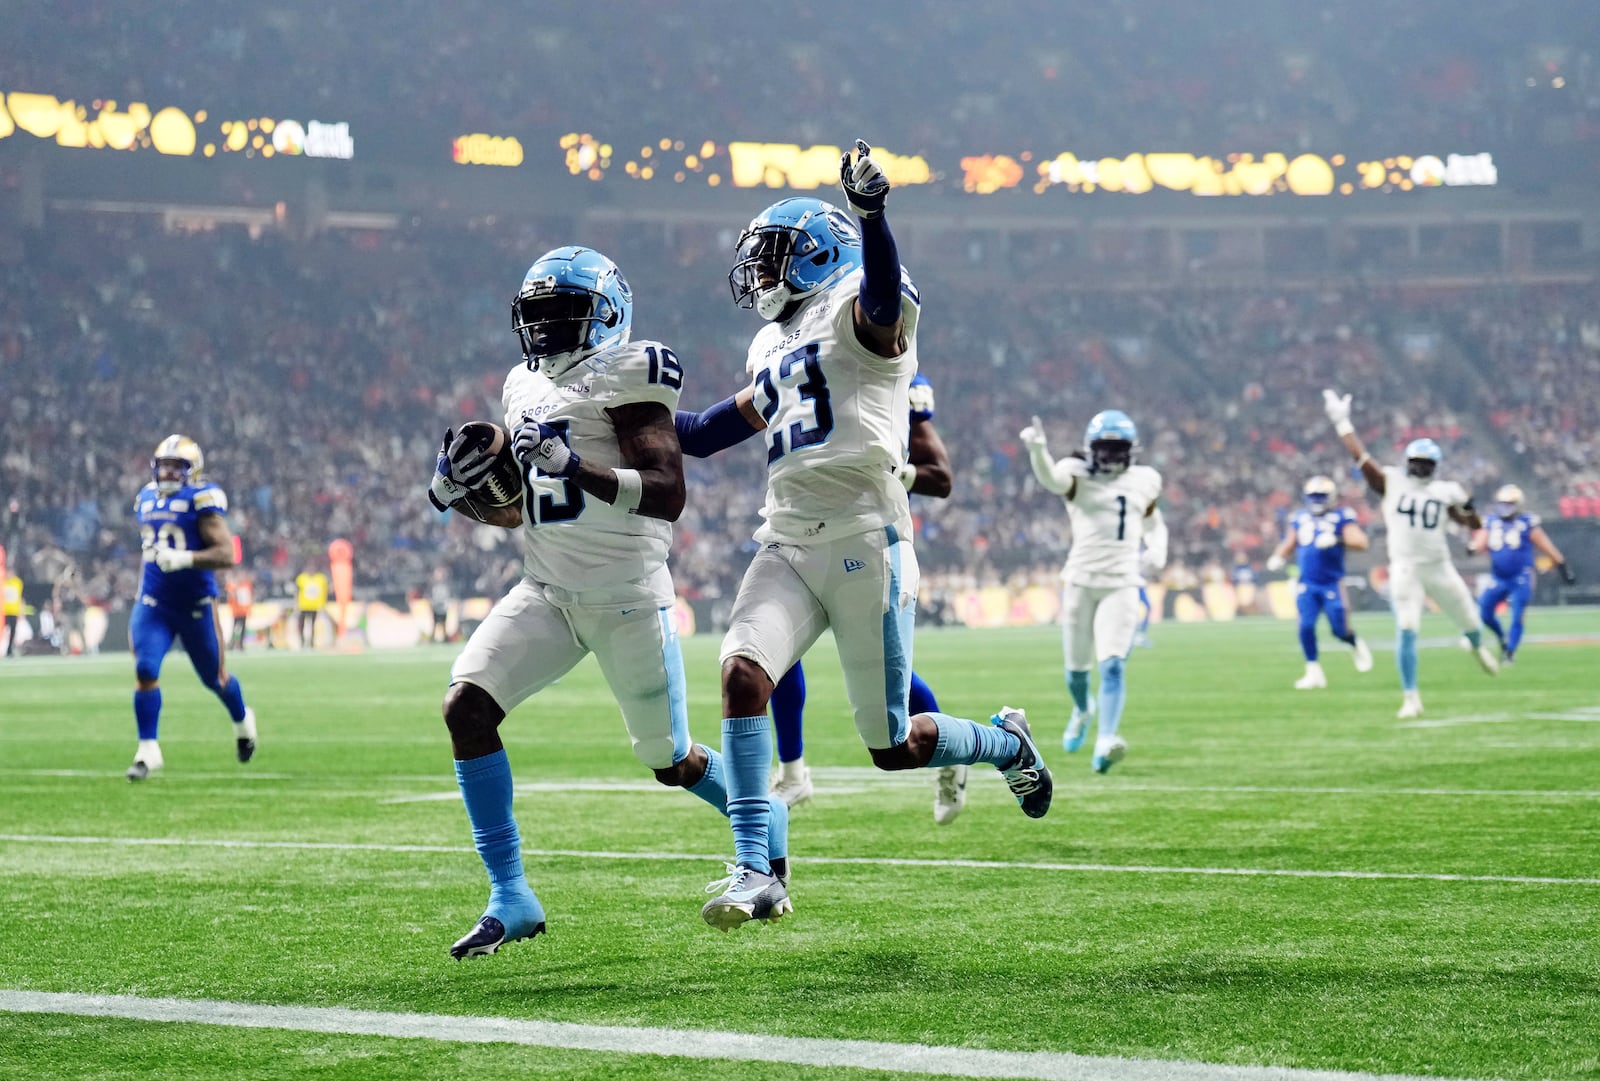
[247,749]
[487,937]
[138,771]
[1027,776]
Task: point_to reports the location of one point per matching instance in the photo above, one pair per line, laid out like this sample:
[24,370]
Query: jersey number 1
[1122,516]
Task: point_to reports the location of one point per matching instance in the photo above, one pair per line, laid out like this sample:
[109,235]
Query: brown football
[502,485]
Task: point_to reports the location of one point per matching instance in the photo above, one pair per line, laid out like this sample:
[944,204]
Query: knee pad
[655,753]
[1111,672]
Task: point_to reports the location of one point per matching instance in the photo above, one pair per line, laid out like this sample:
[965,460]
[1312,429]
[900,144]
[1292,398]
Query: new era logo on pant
[853,565]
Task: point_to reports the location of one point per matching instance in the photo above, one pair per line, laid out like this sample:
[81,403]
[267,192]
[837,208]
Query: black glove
[1566,574]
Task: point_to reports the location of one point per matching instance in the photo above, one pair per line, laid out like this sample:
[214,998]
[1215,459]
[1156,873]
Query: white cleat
[949,794]
[1410,706]
[1314,679]
[1487,660]
[146,760]
[1108,751]
[1361,655]
[792,787]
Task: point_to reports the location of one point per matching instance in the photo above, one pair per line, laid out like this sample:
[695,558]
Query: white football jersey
[1416,515]
[838,420]
[570,538]
[1107,514]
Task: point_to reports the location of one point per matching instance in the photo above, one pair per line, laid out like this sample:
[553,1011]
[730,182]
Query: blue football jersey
[921,398]
[1510,550]
[1320,559]
[173,521]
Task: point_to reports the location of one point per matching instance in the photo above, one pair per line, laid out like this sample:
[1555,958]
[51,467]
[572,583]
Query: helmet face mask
[1508,501]
[1319,493]
[177,461]
[1422,458]
[793,250]
[573,303]
[1111,440]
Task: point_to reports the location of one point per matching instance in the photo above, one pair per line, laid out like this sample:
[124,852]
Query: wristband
[630,489]
[907,474]
[1344,427]
[1363,460]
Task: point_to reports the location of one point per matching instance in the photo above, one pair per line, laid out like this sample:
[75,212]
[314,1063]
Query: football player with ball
[592,474]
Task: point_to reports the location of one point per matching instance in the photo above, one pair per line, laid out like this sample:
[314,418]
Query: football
[502,485]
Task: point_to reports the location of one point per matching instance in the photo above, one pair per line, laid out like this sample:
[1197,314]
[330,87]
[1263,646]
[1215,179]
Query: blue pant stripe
[677,692]
[897,628]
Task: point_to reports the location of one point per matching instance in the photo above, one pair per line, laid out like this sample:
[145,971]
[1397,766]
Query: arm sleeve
[1055,476]
[1155,540]
[718,428]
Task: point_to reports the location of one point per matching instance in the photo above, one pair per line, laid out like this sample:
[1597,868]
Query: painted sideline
[683,1043]
[843,861]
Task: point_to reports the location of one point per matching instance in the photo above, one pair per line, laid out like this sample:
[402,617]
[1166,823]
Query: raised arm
[877,309]
[1059,477]
[1337,407]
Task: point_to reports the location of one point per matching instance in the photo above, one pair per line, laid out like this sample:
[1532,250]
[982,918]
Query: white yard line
[840,861]
[683,1043]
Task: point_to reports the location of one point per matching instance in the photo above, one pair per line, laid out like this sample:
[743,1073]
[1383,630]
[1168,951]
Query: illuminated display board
[101,125]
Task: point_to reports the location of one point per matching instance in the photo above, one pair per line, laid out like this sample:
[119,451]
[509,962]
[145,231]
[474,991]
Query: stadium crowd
[318,375]
[1114,77]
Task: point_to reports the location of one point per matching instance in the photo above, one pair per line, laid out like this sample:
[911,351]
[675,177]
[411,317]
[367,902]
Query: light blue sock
[1113,693]
[232,696]
[963,742]
[1405,656]
[710,786]
[747,755]
[486,790]
[1078,687]
[778,829]
[1476,638]
[147,712]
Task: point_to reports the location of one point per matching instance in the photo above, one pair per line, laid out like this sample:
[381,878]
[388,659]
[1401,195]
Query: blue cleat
[1026,775]
[1108,752]
[746,895]
[1077,729]
[507,920]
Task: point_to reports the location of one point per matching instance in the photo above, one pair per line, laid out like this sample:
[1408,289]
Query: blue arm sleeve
[880,281]
[718,428]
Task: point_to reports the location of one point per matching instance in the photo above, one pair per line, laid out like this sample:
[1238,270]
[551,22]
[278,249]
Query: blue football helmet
[177,461]
[792,250]
[573,303]
[1319,492]
[1422,458]
[1111,441]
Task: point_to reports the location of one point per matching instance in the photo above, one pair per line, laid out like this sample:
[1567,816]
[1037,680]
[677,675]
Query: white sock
[148,752]
[1313,667]
[246,728]
[792,771]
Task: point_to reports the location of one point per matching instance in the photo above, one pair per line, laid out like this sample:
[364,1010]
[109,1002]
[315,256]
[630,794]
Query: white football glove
[1033,435]
[174,559]
[541,446]
[1274,562]
[866,189]
[1337,407]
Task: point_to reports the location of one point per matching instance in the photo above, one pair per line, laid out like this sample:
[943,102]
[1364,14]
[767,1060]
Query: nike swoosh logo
[629,611]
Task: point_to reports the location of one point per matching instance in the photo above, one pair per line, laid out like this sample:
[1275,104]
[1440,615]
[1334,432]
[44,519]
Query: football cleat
[1107,753]
[792,790]
[1026,775]
[746,895]
[1361,655]
[949,793]
[1486,660]
[488,936]
[521,918]
[1077,729]
[1314,679]
[146,760]
[1410,706]
[246,732]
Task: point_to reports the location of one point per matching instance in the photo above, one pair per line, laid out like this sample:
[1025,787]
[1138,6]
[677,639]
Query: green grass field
[1272,877]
